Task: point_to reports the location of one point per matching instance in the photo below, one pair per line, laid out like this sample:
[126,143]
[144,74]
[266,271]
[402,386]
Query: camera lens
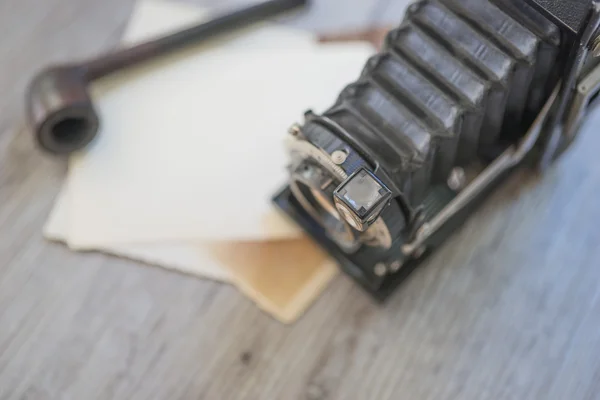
[325,202]
[313,188]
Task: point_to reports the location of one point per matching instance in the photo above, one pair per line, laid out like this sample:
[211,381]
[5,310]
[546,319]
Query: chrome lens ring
[300,150]
[313,188]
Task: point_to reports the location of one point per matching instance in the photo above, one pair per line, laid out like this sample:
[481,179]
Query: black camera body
[463,92]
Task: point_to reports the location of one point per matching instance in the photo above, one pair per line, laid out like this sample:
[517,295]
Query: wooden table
[508,309]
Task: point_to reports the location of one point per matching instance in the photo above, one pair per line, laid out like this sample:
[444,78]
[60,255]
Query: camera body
[462,93]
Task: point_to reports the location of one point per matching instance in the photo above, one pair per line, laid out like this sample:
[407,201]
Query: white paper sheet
[282,278]
[192,150]
[182,257]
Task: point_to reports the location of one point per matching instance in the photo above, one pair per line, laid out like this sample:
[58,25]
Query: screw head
[380,269]
[294,130]
[339,157]
[596,48]
[395,266]
[424,229]
[419,252]
[457,179]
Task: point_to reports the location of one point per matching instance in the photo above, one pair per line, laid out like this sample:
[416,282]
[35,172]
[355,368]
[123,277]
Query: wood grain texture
[509,308]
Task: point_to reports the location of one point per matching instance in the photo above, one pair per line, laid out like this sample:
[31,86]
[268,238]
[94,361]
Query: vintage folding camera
[463,92]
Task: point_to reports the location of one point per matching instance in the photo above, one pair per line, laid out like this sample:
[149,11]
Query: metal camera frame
[551,133]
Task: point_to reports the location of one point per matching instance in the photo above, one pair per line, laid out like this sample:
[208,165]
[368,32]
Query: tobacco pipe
[59,107]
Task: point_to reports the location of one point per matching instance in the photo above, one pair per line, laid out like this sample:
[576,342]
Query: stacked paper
[190,153]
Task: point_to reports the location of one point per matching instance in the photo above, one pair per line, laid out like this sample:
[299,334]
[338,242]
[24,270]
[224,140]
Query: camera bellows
[454,82]
[431,119]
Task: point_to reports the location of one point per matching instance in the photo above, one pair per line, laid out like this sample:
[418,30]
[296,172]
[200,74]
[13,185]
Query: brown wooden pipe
[59,107]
